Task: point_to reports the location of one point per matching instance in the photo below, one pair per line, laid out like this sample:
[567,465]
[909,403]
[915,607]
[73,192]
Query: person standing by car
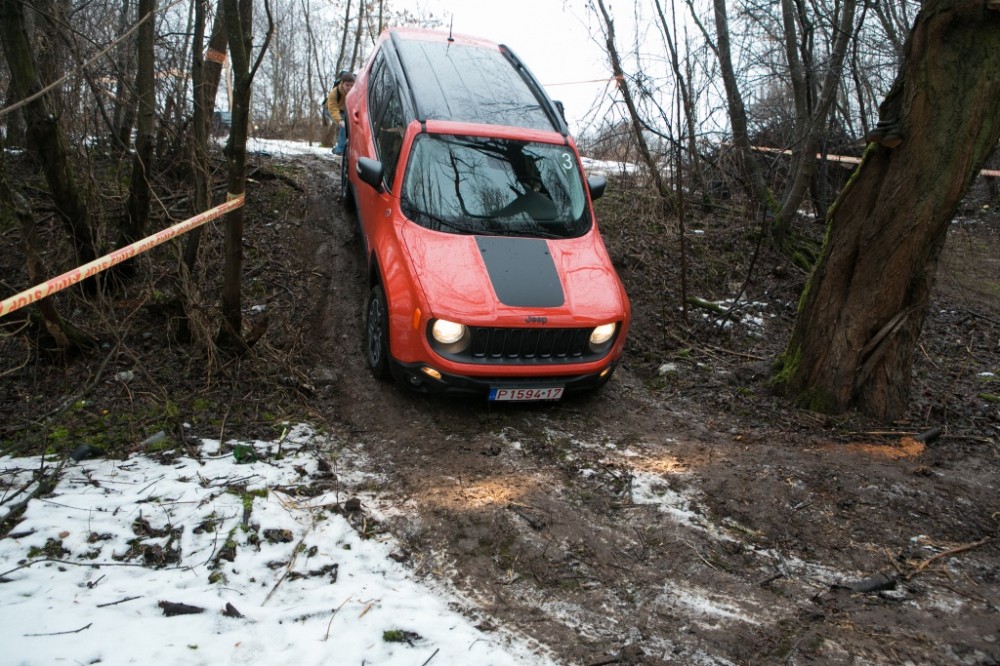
[335,104]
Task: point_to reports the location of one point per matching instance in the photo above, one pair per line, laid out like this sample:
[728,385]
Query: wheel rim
[376,316]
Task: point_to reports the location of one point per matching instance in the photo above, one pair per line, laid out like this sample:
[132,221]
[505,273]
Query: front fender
[407,310]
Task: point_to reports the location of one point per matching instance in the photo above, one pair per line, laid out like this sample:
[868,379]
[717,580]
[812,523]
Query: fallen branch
[335,611]
[43,482]
[291,563]
[947,553]
[92,565]
[63,633]
[521,510]
[708,305]
[115,603]
[981,316]
[770,579]
[929,436]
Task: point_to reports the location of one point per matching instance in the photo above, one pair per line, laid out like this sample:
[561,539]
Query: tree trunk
[862,312]
[202,89]
[811,118]
[343,36]
[752,180]
[239,26]
[50,17]
[200,118]
[44,133]
[14,125]
[637,126]
[15,202]
[206,74]
[355,56]
[686,95]
[140,193]
[124,106]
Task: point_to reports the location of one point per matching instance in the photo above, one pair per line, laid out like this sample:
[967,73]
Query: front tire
[377,333]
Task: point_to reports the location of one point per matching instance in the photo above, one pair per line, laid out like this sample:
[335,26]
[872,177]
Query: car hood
[495,280]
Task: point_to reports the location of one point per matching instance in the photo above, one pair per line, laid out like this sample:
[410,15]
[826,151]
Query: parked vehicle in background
[222,122]
[487,272]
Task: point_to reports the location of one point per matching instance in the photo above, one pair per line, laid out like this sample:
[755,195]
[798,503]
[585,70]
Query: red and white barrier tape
[37,293]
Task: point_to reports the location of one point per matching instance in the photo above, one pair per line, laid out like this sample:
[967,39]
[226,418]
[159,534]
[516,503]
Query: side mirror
[596,185]
[561,109]
[370,171]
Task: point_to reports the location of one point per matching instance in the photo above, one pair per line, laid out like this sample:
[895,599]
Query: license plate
[526,394]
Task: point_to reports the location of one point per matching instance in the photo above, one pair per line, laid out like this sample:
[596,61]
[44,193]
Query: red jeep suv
[486,269]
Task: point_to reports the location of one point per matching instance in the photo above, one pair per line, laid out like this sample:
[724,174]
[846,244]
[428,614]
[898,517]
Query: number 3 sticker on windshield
[567,161]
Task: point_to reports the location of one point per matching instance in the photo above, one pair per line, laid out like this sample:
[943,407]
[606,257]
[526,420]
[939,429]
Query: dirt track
[644,526]
[682,514]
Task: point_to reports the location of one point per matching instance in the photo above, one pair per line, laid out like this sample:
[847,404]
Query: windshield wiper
[413,214]
[479,231]
[410,213]
[537,233]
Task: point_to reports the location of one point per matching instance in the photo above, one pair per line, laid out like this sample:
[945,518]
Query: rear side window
[386,112]
[378,88]
[389,130]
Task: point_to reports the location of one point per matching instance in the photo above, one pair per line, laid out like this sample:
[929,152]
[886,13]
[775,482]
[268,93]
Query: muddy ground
[682,514]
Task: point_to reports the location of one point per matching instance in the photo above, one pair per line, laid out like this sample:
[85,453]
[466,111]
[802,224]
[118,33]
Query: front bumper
[413,376]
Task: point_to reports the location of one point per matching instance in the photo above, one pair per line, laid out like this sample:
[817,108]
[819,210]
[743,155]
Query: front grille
[545,345]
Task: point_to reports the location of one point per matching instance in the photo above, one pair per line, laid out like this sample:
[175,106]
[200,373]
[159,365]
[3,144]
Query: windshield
[477,185]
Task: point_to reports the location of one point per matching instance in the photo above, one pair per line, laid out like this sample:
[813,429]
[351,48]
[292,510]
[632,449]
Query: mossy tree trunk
[863,310]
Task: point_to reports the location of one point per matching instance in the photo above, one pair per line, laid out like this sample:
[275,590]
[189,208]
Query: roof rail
[536,88]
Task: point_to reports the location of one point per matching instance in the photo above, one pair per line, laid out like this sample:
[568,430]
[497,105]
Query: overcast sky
[552,37]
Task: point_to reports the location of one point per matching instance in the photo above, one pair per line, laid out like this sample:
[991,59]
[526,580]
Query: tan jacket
[335,103]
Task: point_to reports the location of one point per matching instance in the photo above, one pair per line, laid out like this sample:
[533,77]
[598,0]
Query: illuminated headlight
[447,332]
[601,335]
[449,337]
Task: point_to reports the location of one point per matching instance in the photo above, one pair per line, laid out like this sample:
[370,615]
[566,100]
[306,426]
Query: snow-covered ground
[260,538]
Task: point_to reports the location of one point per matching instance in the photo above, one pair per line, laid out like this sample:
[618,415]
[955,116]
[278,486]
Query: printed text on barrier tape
[37,293]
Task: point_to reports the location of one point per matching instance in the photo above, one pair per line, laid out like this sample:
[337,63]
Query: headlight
[447,337]
[601,335]
[447,332]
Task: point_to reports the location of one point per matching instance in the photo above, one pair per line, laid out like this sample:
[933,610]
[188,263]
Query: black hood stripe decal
[522,271]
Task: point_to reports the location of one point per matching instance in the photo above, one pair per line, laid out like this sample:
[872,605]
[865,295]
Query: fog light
[431,372]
